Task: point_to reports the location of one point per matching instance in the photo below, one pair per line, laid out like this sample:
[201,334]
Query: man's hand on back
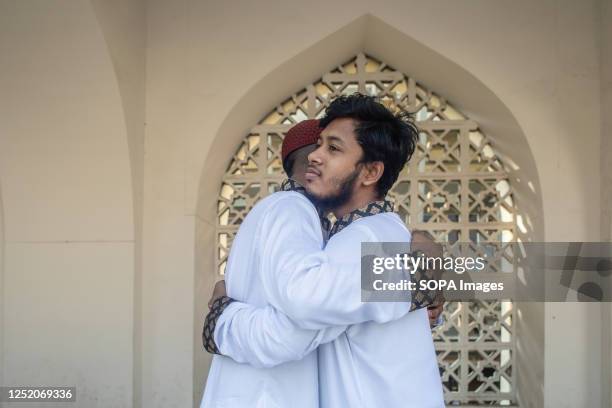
[218,291]
[433,312]
[423,241]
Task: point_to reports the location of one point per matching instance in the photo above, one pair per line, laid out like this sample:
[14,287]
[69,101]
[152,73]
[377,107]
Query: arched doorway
[455,187]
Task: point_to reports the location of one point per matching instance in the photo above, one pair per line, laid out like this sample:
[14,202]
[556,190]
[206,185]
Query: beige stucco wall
[109,113]
[606,117]
[123,24]
[68,205]
[2,295]
[606,182]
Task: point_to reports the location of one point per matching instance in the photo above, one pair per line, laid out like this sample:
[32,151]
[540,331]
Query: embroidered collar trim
[375,207]
[292,185]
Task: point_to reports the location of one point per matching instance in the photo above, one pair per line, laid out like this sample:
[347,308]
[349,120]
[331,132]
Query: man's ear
[372,172]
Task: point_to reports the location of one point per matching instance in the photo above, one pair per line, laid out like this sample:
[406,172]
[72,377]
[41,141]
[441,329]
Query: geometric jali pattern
[455,186]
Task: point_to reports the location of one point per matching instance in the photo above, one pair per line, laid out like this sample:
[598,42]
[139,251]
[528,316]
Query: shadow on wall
[2,296]
[376,38]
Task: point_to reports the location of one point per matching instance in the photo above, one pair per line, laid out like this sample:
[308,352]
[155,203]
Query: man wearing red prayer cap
[288,294]
[298,143]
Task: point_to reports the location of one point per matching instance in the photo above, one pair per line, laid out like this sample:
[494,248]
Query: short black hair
[383,136]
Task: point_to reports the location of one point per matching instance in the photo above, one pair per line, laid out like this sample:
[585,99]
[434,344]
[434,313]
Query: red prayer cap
[303,134]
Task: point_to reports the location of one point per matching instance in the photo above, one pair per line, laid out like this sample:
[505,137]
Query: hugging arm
[315,288]
[263,337]
[312,299]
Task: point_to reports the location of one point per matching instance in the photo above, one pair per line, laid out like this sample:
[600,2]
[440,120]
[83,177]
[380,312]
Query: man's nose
[315,156]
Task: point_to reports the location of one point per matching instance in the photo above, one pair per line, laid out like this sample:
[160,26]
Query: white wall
[605,40]
[575,108]
[68,205]
[2,295]
[606,182]
[124,25]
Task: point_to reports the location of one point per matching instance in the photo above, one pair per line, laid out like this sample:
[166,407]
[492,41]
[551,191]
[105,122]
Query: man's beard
[331,202]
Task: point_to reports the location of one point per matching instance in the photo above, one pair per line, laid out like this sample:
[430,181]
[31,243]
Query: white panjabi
[292,297]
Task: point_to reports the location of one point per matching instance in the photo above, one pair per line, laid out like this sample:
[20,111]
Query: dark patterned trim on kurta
[420,298]
[292,185]
[208,333]
[375,207]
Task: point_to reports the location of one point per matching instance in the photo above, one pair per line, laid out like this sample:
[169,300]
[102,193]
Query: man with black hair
[370,354]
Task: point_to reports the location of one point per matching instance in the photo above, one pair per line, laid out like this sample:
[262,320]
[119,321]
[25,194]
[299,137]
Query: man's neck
[358,200]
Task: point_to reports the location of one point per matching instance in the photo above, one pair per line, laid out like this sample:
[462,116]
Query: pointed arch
[455,186]
[475,112]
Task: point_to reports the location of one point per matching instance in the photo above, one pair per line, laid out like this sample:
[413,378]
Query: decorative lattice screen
[455,187]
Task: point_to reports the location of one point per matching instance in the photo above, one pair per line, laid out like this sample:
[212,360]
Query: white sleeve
[265,337]
[315,288]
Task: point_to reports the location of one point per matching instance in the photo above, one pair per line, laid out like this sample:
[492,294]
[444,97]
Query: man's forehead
[342,128]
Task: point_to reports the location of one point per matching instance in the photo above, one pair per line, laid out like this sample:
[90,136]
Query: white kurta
[374,364]
[384,358]
[293,384]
